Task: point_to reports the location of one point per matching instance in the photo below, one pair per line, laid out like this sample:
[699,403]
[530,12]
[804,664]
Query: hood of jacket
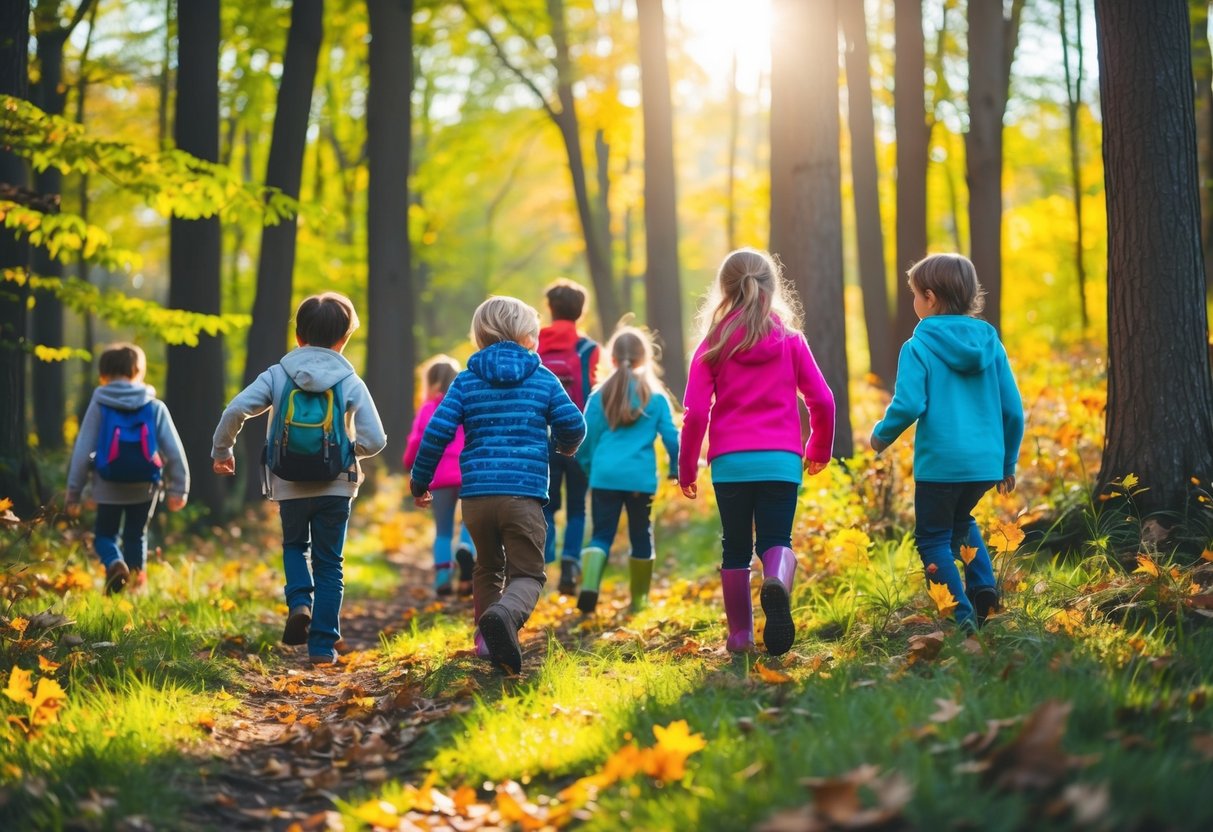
[315,369]
[504,364]
[124,395]
[966,345]
[561,335]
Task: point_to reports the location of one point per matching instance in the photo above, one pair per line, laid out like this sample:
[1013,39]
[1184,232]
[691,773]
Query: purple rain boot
[738,609]
[778,567]
[482,649]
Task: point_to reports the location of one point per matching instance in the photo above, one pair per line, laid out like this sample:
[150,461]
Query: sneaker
[985,601]
[570,571]
[297,625]
[322,659]
[501,637]
[442,580]
[116,576]
[467,562]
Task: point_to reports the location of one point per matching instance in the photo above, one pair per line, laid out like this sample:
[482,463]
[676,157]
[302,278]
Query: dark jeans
[313,537]
[943,522]
[606,506]
[565,470]
[134,520]
[754,515]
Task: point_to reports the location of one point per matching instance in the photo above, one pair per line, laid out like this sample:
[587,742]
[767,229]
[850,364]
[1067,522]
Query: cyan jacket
[505,400]
[953,378]
[623,459]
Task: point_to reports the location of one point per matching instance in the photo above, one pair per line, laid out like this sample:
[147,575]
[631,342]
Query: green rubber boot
[593,561]
[642,577]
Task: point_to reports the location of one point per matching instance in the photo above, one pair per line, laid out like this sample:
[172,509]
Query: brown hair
[952,279]
[566,300]
[325,320]
[751,282]
[121,361]
[502,318]
[631,351]
[438,373]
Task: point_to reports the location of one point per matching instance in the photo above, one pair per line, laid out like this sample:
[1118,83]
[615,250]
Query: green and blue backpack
[308,441]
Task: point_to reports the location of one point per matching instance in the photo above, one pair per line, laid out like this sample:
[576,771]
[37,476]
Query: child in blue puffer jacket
[953,378]
[624,417]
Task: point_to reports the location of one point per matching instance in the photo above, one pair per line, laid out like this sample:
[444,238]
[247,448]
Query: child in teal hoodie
[624,417]
[953,378]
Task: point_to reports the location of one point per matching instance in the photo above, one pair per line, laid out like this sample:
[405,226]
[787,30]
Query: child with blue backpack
[323,422]
[624,418]
[128,442]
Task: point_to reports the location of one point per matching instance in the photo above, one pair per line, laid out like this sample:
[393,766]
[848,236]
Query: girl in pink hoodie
[742,391]
[438,373]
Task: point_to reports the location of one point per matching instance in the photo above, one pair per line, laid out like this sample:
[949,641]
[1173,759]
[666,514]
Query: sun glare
[718,29]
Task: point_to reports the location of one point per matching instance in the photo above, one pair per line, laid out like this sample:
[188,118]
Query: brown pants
[509,533]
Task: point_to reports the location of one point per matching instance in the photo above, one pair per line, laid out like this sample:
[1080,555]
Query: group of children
[526,420]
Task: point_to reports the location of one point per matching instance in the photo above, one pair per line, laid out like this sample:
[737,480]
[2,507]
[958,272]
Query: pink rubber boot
[482,649]
[738,609]
[778,568]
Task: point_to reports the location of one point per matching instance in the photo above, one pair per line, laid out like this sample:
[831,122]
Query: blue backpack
[308,440]
[127,450]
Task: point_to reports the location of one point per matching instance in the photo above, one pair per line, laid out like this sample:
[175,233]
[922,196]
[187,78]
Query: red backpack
[572,368]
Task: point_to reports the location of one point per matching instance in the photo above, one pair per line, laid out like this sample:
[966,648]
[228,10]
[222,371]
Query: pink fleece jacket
[747,402]
[446,475]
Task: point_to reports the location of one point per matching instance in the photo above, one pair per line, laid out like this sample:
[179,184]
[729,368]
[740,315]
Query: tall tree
[50,93]
[195,374]
[390,344]
[869,236]
[17,475]
[268,335]
[1074,78]
[662,281]
[806,183]
[992,40]
[1160,390]
[913,140]
[1202,72]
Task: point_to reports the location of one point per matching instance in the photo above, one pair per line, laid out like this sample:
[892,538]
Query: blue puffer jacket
[505,400]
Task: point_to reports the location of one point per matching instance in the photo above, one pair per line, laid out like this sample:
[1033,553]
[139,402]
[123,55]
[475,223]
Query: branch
[81,11]
[514,70]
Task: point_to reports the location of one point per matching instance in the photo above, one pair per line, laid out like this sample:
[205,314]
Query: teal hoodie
[954,380]
[623,459]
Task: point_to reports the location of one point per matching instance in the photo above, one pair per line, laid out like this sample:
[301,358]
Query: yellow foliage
[967,553]
[1146,564]
[19,689]
[945,602]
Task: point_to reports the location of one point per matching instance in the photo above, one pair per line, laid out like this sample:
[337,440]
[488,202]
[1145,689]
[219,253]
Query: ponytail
[633,355]
[748,290]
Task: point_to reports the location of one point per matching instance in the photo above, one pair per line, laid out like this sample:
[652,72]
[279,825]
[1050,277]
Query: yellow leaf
[1129,482]
[666,761]
[48,698]
[945,602]
[6,504]
[1012,534]
[46,665]
[19,688]
[677,736]
[967,553]
[226,604]
[771,676]
[19,624]
[1146,565]
[378,813]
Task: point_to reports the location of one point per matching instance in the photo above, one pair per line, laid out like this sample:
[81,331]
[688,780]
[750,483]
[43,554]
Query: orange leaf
[772,676]
[967,553]
[19,624]
[5,504]
[1146,564]
[48,698]
[46,665]
[1207,554]
[945,602]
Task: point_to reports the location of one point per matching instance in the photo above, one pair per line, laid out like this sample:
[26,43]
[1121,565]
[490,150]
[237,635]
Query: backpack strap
[585,348]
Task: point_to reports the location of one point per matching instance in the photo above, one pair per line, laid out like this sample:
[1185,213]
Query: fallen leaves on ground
[839,803]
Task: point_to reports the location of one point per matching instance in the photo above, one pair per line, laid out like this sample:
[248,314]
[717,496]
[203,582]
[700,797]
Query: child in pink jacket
[742,391]
[438,373]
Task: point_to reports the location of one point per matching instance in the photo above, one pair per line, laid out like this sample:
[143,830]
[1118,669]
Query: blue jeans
[943,522]
[754,513]
[445,500]
[565,469]
[315,526]
[134,520]
[606,506]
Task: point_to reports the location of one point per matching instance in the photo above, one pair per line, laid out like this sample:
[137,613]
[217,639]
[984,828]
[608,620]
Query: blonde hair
[750,282]
[631,350]
[438,373]
[952,279]
[502,318]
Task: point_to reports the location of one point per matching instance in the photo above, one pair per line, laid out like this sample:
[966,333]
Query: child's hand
[690,491]
[814,468]
[877,445]
[226,467]
[175,502]
[424,500]
[1007,485]
[72,509]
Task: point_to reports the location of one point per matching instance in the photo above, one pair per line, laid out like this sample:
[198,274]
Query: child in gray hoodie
[314,513]
[142,456]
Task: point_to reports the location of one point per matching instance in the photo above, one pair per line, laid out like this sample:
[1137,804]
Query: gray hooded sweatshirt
[126,395]
[314,369]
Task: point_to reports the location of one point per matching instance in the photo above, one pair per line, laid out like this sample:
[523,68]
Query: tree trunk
[1073,104]
[730,193]
[268,335]
[602,171]
[195,391]
[1202,72]
[869,236]
[390,344]
[84,393]
[983,151]
[1160,391]
[913,134]
[806,195]
[662,280]
[17,477]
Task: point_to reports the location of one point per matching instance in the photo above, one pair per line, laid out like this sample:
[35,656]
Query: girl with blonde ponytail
[742,391]
[624,417]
